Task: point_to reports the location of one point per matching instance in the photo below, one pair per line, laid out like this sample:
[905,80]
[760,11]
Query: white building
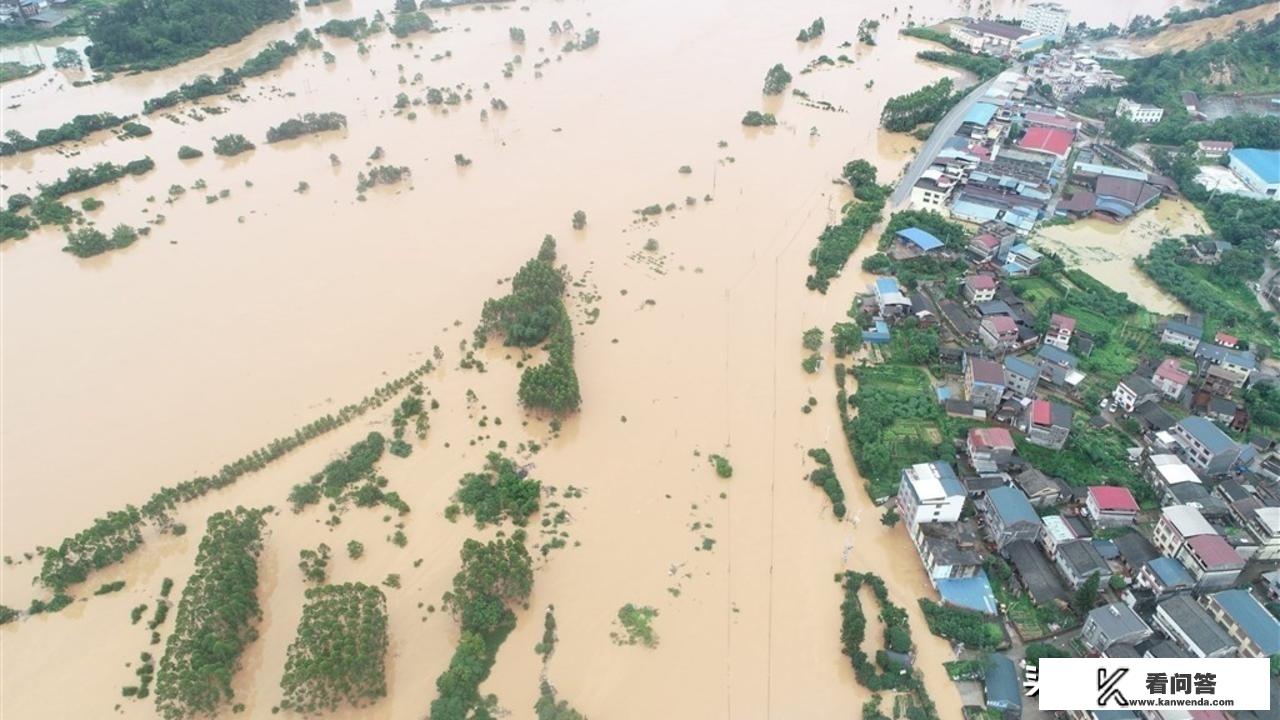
[1046,18]
[1259,169]
[930,492]
[1139,113]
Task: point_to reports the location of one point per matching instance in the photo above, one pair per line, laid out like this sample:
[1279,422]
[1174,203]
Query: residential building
[1214,149]
[949,550]
[1211,561]
[930,492]
[1057,532]
[1023,258]
[989,38]
[993,445]
[1058,367]
[980,288]
[1111,624]
[1165,470]
[1239,364]
[1133,391]
[1001,686]
[1177,524]
[983,382]
[1139,113]
[1164,575]
[931,193]
[1256,631]
[1046,423]
[1046,18]
[1193,628]
[1111,506]
[1135,551]
[1259,169]
[1041,490]
[1020,376]
[1009,516]
[1061,327]
[1206,448]
[984,246]
[1182,333]
[1078,559]
[1264,524]
[1035,573]
[890,299]
[1170,379]
[999,332]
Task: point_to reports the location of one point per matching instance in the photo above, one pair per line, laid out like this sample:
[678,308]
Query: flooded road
[237,320]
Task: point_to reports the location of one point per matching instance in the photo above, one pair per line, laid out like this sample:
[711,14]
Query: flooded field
[1107,250]
[241,318]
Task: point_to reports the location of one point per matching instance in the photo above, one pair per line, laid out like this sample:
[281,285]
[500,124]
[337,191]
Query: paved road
[941,133]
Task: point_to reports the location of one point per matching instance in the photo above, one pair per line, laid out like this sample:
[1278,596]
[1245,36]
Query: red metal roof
[993,437]
[987,241]
[1113,499]
[1041,412]
[1214,551]
[1050,140]
[1170,370]
[1226,340]
[981,282]
[1002,324]
[1063,322]
[1050,120]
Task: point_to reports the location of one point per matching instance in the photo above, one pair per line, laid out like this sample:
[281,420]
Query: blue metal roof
[1002,687]
[1171,572]
[1057,355]
[980,114]
[1012,505]
[969,209]
[1183,328]
[1021,367]
[971,593]
[1264,163]
[1209,435]
[947,476]
[887,285]
[1260,625]
[924,240]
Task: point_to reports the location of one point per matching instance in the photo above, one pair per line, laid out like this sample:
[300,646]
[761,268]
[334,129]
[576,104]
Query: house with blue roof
[1164,575]
[1183,333]
[878,335]
[1259,169]
[1226,369]
[1021,260]
[1020,376]
[1009,516]
[890,299]
[930,493]
[979,115]
[1246,621]
[1001,686]
[914,242]
[1206,448]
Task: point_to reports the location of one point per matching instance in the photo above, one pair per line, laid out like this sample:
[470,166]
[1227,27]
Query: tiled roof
[1215,552]
[1117,499]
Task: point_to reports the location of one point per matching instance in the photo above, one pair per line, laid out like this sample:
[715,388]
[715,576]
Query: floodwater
[238,320]
[1107,249]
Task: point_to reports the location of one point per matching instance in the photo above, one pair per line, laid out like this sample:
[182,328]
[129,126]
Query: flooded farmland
[238,319]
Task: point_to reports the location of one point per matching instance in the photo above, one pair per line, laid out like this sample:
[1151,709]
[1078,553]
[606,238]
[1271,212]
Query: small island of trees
[339,653]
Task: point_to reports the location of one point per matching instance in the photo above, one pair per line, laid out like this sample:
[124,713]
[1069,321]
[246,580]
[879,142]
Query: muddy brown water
[236,321]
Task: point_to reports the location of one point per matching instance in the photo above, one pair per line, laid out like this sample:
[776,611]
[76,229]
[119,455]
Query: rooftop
[1187,520]
[981,281]
[1208,434]
[1117,620]
[980,114]
[934,481]
[1172,371]
[1215,552]
[1057,356]
[1036,572]
[1046,139]
[1196,624]
[992,437]
[1021,367]
[1139,385]
[987,27]
[1083,558]
[1012,505]
[1252,617]
[1170,572]
[920,238]
[1264,163]
[1064,322]
[1115,499]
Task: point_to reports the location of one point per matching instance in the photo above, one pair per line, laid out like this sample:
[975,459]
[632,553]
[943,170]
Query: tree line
[152,34]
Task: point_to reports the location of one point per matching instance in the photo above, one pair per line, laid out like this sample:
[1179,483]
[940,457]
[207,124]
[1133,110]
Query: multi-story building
[1139,113]
[1133,391]
[1256,631]
[1206,448]
[1193,628]
[999,332]
[1111,506]
[983,382]
[1171,379]
[1177,524]
[1259,169]
[1211,561]
[1061,327]
[1079,559]
[1111,624]
[993,445]
[1183,333]
[990,38]
[1020,376]
[1009,516]
[1164,575]
[1046,18]
[980,288]
[1047,424]
[948,550]
[930,492]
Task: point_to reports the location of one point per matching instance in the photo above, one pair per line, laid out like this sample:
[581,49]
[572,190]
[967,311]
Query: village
[1108,497]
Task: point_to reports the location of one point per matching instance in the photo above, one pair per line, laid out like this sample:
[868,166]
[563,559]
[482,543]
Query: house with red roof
[1061,327]
[980,288]
[1171,379]
[998,332]
[984,246]
[1046,423]
[1211,561]
[1110,506]
[993,444]
[1047,140]
[1226,340]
